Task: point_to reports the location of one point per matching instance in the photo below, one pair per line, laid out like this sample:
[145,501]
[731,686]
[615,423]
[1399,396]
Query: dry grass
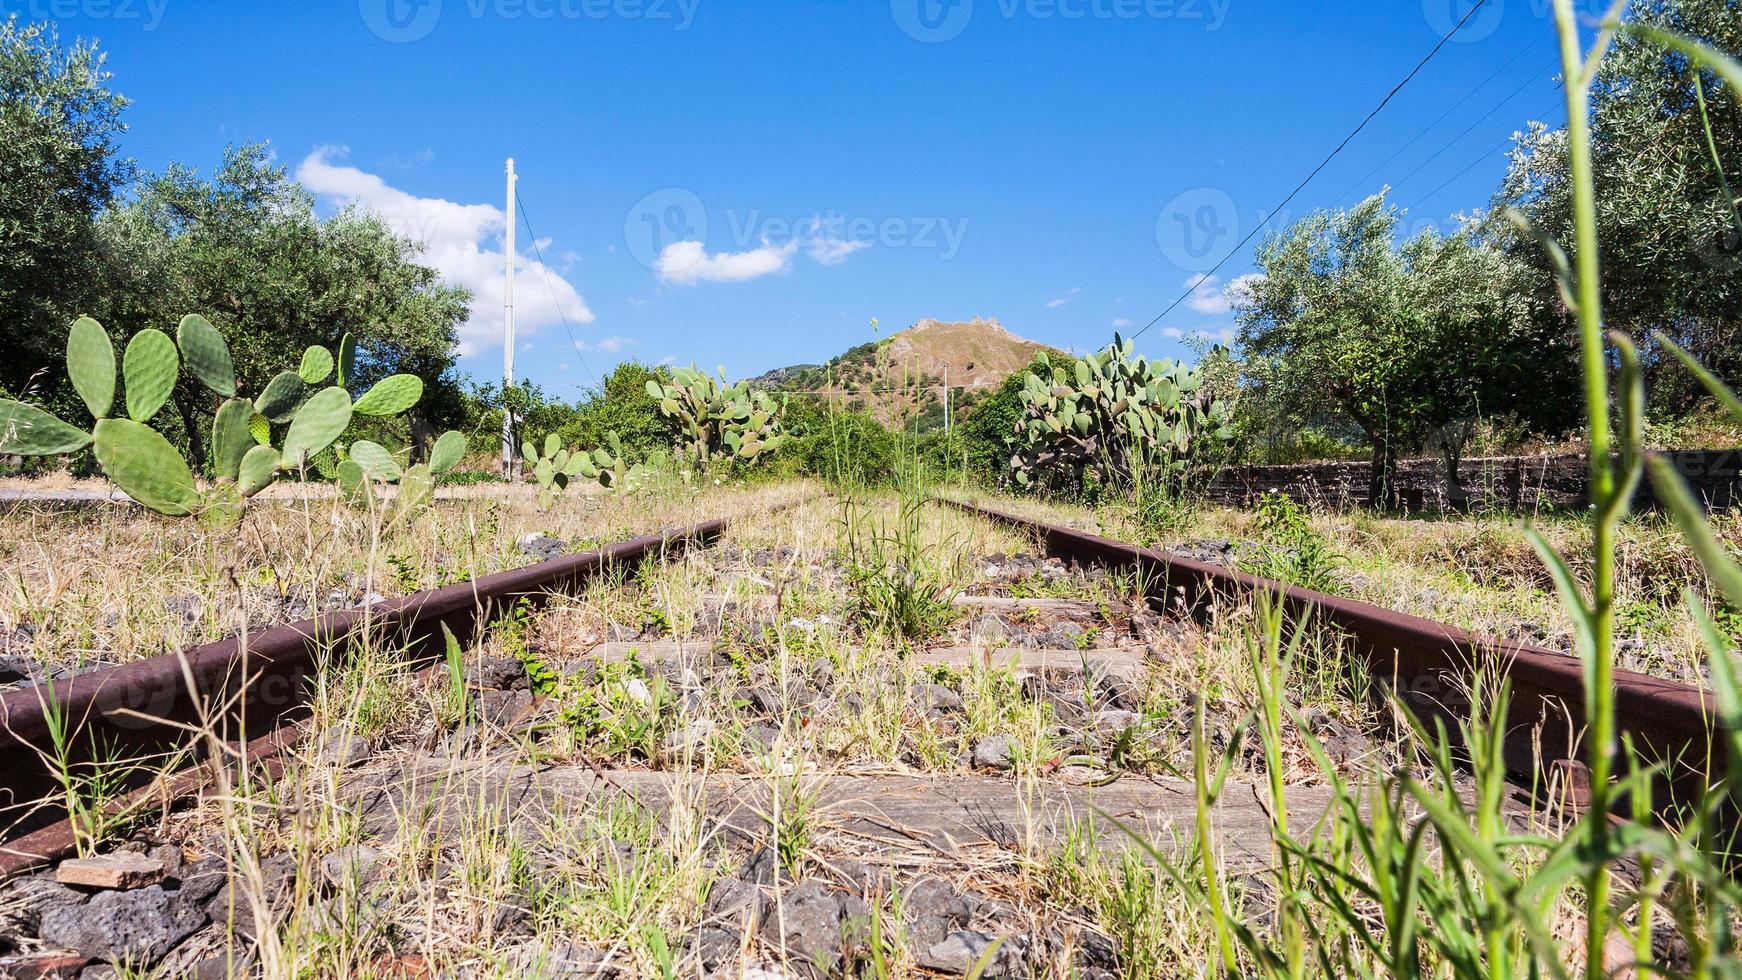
[100,585]
[1477,572]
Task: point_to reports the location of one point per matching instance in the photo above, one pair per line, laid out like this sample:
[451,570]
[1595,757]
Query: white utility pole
[946,403]
[508,335]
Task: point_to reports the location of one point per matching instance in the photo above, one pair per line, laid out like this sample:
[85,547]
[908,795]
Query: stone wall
[1517,483]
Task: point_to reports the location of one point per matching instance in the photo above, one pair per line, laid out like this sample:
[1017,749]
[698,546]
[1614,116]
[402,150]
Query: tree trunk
[1382,480]
[190,422]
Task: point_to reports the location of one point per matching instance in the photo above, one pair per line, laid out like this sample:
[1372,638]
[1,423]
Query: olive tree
[1406,341]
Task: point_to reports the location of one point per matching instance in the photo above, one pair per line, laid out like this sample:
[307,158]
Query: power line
[1484,157]
[1454,141]
[1357,185]
[532,236]
[1316,170]
[1486,154]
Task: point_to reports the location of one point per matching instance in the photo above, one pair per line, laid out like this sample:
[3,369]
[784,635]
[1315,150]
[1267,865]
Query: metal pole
[946,404]
[508,334]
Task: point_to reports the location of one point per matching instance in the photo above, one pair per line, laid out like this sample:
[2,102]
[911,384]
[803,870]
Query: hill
[904,373]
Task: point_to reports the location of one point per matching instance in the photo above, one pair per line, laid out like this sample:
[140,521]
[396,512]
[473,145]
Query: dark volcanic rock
[543,547]
[808,923]
[958,952]
[933,910]
[499,673]
[137,926]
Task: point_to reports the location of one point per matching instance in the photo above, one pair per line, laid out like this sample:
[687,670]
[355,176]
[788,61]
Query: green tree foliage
[1672,257]
[618,404]
[246,247]
[985,433]
[1408,342]
[849,446]
[59,123]
[621,404]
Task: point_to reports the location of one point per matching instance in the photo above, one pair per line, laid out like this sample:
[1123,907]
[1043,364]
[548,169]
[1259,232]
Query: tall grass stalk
[1596,618]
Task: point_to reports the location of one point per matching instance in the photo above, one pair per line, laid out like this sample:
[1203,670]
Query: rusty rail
[247,686]
[1429,664]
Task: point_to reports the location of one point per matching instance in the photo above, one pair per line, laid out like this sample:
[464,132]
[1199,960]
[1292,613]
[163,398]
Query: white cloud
[564,366]
[612,345]
[824,249]
[1205,296]
[688,263]
[463,242]
[1209,295]
[832,251]
[666,361]
[1174,332]
[1069,295]
[1121,323]
[1240,289]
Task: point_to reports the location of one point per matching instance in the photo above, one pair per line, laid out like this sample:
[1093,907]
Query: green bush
[842,447]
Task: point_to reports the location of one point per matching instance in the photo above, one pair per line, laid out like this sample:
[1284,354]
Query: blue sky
[748,183]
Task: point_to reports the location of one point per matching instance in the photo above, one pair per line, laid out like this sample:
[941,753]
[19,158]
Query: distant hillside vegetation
[977,353]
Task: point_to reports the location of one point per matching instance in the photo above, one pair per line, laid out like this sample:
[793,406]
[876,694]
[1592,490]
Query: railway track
[1429,665]
[247,687]
[714,735]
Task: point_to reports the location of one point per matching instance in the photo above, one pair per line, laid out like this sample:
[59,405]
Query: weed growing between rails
[81,589]
[1425,873]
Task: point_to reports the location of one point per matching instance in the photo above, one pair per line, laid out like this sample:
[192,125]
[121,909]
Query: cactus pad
[91,365]
[390,396]
[279,400]
[231,439]
[347,361]
[146,467]
[416,490]
[320,420]
[448,451]
[317,365]
[259,468]
[26,430]
[149,368]
[376,461]
[206,353]
[354,483]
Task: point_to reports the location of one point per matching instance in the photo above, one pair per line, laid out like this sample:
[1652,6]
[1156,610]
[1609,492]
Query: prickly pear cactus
[1111,412]
[552,466]
[149,469]
[367,463]
[715,422]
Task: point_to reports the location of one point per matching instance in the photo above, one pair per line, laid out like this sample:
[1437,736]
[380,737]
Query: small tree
[59,168]
[1403,341]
